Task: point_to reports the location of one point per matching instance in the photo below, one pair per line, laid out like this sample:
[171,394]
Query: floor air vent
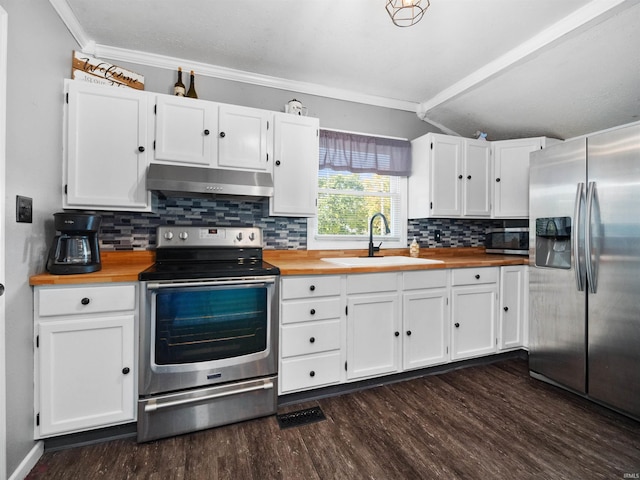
[300,417]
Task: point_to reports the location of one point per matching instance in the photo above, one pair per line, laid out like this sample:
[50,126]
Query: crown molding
[71,21]
[596,10]
[89,46]
[205,69]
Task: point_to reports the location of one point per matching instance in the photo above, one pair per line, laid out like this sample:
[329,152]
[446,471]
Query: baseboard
[341,389]
[28,462]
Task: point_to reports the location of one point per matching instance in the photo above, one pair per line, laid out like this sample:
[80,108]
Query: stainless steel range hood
[175,179]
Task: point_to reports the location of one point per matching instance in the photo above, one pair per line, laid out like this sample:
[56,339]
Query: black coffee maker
[75,249]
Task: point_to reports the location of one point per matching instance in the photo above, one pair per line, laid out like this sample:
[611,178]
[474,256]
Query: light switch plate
[24,209]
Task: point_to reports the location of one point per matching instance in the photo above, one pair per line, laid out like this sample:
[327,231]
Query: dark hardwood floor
[486,422]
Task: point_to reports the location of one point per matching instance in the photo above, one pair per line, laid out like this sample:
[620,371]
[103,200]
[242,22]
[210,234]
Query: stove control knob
[239,236]
[183,235]
[252,236]
[168,235]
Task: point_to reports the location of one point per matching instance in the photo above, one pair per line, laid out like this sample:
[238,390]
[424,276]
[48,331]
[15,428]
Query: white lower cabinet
[84,357]
[373,325]
[512,323]
[343,328]
[425,318]
[311,324]
[474,296]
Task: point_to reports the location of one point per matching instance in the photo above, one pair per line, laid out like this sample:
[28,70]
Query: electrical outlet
[436,236]
[24,209]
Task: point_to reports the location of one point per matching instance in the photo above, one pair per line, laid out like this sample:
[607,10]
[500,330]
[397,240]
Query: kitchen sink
[379,261]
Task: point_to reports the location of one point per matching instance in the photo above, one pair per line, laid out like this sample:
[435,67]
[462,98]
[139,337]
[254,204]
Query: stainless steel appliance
[508,240]
[208,331]
[75,249]
[585,259]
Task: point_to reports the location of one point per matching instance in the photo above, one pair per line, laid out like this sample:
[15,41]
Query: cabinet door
[107,148]
[373,335]
[426,333]
[186,130]
[511,172]
[512,307]
[473,317]
[86,370]
[446,176]
[295,168]
[243,138]
[477,170]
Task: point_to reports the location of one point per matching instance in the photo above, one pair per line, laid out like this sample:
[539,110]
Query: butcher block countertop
[116,267]
[125,266]
[308,262]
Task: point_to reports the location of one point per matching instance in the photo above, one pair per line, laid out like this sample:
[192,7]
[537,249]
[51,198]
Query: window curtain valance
[364,154]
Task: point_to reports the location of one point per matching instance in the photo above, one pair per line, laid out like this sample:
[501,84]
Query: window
[358,178]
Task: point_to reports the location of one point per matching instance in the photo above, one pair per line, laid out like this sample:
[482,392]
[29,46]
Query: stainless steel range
[208,331]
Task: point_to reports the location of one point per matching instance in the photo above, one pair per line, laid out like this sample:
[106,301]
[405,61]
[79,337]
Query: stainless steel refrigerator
[585,267]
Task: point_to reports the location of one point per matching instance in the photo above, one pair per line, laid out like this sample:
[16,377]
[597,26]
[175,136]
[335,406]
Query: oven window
[199,325]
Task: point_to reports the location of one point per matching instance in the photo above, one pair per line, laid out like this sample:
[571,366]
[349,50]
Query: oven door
[201,333]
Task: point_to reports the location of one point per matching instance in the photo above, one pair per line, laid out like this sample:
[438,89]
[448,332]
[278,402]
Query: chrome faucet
[373,249]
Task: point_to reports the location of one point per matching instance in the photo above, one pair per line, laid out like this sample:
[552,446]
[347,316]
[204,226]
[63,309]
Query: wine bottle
[179,88]
[192,86]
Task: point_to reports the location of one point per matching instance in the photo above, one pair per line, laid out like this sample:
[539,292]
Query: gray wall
[332,113]
[39,58]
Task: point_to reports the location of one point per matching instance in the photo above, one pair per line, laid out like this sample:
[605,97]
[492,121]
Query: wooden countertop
[116,267]
[125,266]
[308,262]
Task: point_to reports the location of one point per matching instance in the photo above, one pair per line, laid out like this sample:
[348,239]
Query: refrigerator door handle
[576,237]
[591,280]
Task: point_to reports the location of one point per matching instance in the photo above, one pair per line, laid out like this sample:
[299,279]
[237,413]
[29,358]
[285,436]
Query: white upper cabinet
[462,177]
[208,134]
[476,173]
[244,139]
[445,175]
[107,147]
[111,136]
[511,175]
[450,177]
[186,131]
[295,166]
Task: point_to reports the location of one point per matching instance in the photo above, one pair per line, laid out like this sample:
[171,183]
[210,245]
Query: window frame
[337,243]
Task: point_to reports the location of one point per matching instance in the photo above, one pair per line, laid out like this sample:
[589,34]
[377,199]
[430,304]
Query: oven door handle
[210,283]
[154,406]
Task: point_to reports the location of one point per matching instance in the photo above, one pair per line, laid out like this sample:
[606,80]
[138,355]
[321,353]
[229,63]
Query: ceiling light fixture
[405,13]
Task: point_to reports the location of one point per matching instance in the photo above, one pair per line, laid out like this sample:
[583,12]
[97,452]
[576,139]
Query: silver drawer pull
[152,406]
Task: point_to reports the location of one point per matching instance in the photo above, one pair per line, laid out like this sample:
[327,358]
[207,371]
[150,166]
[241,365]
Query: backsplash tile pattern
[137,231]
[454,232]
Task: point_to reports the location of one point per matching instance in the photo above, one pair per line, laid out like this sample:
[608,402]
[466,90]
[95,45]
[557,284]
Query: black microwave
[508,240]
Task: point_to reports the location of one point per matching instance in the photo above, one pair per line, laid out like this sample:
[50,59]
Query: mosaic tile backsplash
[137,231]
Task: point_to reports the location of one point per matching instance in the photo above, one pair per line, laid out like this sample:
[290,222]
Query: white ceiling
[510,68]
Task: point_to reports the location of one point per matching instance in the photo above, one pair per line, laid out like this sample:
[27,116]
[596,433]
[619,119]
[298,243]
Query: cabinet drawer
[83,300]
[309,310]
[310,371]
[310,337]
[474,276]
[372,282]
[309,287]
[420,279]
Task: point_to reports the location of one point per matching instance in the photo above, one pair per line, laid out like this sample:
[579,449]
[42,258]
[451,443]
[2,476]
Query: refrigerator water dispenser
[553,242]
